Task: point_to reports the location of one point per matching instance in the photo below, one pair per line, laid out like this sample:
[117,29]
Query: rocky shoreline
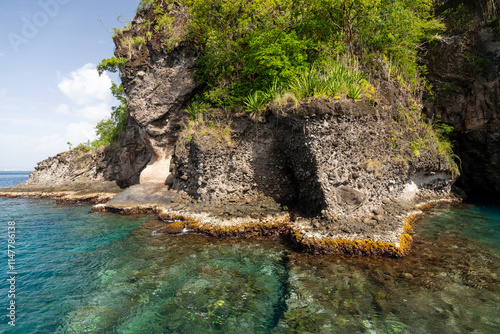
[66,197]
[392,239]
[324,173]
[253,218]
[334,174]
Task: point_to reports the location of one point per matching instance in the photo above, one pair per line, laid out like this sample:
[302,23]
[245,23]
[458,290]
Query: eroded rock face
[213,170]
[465,71]
[129,157]
[157,91]
[333,160]
[345,163]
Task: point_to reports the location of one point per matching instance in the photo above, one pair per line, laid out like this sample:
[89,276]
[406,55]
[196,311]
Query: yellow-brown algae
[394,244]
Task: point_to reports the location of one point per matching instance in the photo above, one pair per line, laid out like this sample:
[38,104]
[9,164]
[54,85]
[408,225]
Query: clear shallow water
[450,282]
[100,273]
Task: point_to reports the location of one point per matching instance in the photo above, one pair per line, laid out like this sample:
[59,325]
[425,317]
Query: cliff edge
[334,173]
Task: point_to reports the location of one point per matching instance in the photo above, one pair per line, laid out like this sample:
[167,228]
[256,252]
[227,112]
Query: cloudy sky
[50,92]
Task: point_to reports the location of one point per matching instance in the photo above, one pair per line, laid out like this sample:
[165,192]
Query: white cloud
[92,113]
[80,132]
[52,143]
[25,150]
[95,113]
[62,109]
[85,87]
[89,94]
[10,122]
[29,134]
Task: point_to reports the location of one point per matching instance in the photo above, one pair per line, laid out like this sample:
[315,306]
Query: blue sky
[50,92]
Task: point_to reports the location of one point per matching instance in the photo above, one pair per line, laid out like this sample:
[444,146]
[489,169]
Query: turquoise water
[81,272]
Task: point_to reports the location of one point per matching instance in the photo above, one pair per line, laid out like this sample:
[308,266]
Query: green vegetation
[196,110]
[423,135]
[108,130]
[337,80]
[202,122]
[111,65]
[261,52]
[445,147]
[479,65]
[255,103]
[139,41]
[458,18]
[249,46]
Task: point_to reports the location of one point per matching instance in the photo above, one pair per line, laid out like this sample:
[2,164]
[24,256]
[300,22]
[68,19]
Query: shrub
[337,80]
[308,84]
[457,19]
[139,41]
[206,126]
[354,92]
[285,98]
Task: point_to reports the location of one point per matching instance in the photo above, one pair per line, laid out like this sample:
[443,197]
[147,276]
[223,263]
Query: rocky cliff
[339,176]
[334,174]
[464,69]
[158,84]
[332,162]
[341,172]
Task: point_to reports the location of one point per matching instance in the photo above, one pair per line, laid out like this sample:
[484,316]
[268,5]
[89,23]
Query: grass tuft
[255,103]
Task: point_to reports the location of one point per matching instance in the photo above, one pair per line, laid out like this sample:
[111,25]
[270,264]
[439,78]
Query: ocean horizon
[16,171]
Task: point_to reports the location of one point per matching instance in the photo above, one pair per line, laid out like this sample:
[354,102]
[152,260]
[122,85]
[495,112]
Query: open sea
[81,272]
